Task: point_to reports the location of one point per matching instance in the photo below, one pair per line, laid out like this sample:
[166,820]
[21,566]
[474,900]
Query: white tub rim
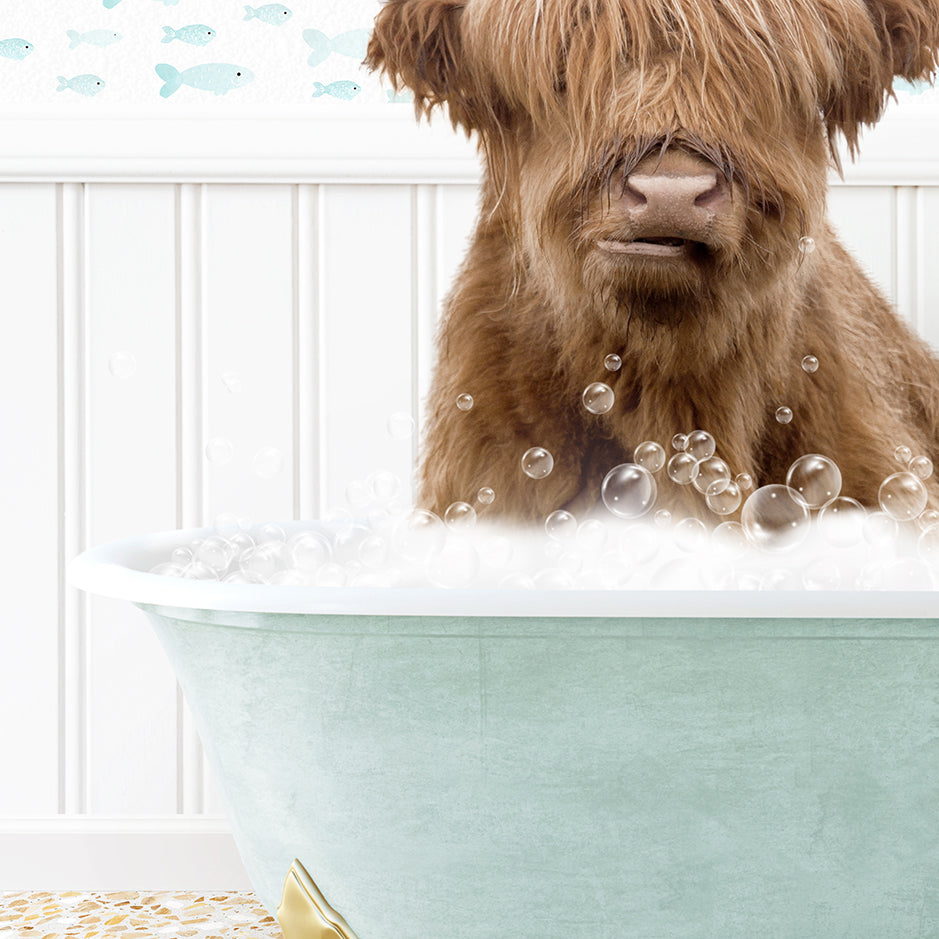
[120,569]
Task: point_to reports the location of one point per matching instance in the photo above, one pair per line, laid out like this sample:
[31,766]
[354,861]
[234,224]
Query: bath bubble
[168,569]
[809,364]
[744,481]
[921,466]
[242,577]
[591,536]
[783,414]
[649,455]
[199,571]
[822,573]
[723,498]
[268,462]
[459,516]
[628,490]
[806,244]
[638,544]
[264,559]
[182,555]
[598,397]
[663,518]
[290,577]
[682,468]
[902,496]
[816,478]
[219,451]
[454,566]
[383,485]
[730,538]
[373,551]
[516,580]
[537,462]
[560,525]
[781,578]
[496,552]
[215,552]
[928,546]
[358,493]
[928,519]
[330,574]
[400,425]
[309,550]
[879,529]
[486,496]
[700,445]
[271,531]
[122,365]
[903,455]
[841,521]
[775,518]
[679,441]
[226,525]
[690,534]
[553,578]
[712,474]
[612,363]
[902,574]
[232,382]
[419,535]
[464,402]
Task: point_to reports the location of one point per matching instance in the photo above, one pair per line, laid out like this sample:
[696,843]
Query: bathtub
[566,764]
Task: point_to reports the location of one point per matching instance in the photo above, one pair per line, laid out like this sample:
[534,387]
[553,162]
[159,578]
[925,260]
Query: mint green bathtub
[567,765]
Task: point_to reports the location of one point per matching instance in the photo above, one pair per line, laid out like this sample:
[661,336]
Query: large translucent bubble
[775,518]
[628,490]
[816,478]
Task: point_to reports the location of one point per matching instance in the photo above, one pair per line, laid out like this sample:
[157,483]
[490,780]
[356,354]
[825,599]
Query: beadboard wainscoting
[221,315]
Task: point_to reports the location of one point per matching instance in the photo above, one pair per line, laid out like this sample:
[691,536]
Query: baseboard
[92,853]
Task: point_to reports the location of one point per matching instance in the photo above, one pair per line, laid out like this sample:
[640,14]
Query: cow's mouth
[658,247]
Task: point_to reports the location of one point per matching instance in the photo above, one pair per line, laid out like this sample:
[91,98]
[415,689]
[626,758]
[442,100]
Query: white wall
[276,286]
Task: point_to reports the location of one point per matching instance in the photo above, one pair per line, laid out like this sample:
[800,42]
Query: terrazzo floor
[135,915]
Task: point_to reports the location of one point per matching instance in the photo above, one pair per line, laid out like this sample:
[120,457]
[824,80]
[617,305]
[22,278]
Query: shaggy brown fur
[572,100]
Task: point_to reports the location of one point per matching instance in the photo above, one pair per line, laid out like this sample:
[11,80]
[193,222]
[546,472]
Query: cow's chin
[661,289]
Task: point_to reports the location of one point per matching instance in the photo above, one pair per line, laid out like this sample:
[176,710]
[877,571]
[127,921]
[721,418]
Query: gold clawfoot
[304,913]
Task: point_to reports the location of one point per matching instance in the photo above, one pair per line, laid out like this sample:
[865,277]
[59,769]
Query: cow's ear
[419,45]
[897,39]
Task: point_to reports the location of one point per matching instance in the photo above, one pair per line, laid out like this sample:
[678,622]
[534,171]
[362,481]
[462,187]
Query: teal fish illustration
[170,3]
[218,77]
[15,48]
[87,85]
[352,43]
[404,97]
[97,37]
[272,13]
[196,35]
[345,91]
[110,4]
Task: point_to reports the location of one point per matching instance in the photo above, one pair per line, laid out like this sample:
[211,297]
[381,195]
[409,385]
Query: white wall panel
[29,681]
[927,252]
[366,340]
[130,436]
[247,362]
[864,217]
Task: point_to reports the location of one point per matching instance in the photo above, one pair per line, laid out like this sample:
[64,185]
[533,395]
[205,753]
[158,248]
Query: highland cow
[654,187]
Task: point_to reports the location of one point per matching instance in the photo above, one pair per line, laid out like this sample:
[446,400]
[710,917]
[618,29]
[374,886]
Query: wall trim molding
[72,852]
[361,148]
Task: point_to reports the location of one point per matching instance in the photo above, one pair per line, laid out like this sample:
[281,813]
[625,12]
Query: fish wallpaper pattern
[171,56]
[209,56]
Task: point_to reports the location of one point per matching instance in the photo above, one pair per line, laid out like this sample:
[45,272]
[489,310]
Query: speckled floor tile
[135,915]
